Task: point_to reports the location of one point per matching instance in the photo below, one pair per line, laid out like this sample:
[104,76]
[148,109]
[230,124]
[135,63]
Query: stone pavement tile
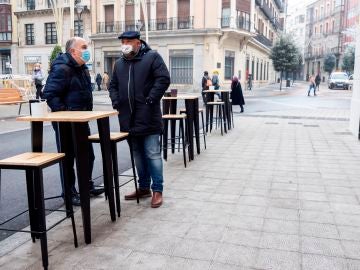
[255,192]
[181,215]
[313,196]
[196,249]
[236,255]
[304,189]
[284,186]
[217,207]
[346,219]
[349,232]
[314,205]
[178,229]
[329,247]
[177,263]
[352,249]
[212,217]
[320,262]
[205,232]
[223,266]
[346,208]
[246,222]
[281,226]
[316,216]
[250,210]
[289,203]
[319,230]
[283,194]
[353,264]
[253,200]
[142,260]
[228,198]
[278,260]
[228,190]
[282,213]
[339,190]
[242,237]
[279,241]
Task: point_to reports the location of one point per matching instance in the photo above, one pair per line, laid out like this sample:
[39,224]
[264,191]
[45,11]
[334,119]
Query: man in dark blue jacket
[68,88]
[140,79]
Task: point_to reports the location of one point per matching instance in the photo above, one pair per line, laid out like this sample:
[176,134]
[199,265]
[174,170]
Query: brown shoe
[142,193]
[156,200]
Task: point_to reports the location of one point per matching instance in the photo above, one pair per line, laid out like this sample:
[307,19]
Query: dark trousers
[99,86]
[38,90]
[69,162]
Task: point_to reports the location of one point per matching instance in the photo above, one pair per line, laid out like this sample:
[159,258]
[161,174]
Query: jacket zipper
[129,89]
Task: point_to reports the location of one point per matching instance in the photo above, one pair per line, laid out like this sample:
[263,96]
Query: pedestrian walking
[68,88]
[236,94]
[139,81]
[106,81]
[216,82]
[312,85]
[38,76]
[98,80]
[206,82]
[317,82]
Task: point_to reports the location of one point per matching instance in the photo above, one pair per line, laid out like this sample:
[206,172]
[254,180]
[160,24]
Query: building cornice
[30,13]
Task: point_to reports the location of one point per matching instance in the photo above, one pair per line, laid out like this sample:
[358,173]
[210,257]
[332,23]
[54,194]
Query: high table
[225,97]
[76,122]
[192,119]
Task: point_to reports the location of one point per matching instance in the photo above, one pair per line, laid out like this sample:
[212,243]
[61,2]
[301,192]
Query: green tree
[284,56]
[349,60]
[329,62]
[55,52]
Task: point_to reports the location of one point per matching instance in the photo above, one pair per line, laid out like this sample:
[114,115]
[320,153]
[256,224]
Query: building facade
[352,15]
[295,27]
[37,32]
[324,34]
[233,37]
[6,36]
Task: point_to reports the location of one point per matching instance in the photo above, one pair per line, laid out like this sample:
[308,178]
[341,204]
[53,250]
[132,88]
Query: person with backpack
[205,84]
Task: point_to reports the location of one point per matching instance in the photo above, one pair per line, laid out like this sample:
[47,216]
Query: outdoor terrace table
[76,122]
[225,97]
[192,119]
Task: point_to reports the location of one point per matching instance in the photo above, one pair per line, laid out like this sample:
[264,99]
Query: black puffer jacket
[136,89]
[68,86]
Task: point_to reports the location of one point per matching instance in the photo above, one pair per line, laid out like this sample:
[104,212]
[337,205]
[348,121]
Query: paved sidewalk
[271,194]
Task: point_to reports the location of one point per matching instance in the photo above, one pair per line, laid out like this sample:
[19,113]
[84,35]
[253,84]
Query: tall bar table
[76,123]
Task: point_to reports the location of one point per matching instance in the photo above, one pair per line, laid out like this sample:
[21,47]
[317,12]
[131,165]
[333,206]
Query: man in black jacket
[140,79]
[68,88]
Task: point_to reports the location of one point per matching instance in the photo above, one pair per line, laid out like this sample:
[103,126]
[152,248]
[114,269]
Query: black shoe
[75,200]
[96,191]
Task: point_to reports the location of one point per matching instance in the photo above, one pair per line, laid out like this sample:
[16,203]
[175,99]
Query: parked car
[351,81]
[338,80]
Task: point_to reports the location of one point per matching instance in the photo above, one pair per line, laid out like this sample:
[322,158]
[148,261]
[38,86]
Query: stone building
[231,36]
[6,35]
[324,34]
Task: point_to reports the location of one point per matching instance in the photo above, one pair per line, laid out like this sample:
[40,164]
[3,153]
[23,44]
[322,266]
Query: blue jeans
[148,161]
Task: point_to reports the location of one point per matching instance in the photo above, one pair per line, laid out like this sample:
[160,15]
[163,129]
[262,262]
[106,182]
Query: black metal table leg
[173,105]
[80,139]
[105,144]
[116,176]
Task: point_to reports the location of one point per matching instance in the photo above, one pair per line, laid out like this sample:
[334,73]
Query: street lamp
[79,10]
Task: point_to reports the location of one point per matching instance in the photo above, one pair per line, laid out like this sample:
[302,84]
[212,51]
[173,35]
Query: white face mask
[126,49]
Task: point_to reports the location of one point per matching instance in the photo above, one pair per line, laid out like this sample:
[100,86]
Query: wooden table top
[181,97]
[217,91]
[68,116]
[31,159]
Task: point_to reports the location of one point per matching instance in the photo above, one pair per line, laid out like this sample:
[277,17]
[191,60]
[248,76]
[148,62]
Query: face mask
[36,69]
[85,55]
[126,49]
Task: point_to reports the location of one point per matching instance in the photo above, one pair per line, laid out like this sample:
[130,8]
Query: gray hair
[71,43]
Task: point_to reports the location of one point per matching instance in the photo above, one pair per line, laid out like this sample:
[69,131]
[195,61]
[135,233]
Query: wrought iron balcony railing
[240,23]
[264,40]
[153,25]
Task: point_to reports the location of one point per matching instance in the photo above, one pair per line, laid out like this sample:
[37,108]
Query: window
[30,4]
[50,33]
[5,23]
[29,34]
[267,71]
[229,64]
[79,28]
[261,71]
[225,17]
[321,29]
[181,66]
[257,69]
[252,68]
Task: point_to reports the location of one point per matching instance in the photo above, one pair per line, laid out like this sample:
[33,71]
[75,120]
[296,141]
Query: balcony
[5,37]
[264,40]
[277,24]
[240,23]
[175,23]
[4,1]
[264,8]
[280,5]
